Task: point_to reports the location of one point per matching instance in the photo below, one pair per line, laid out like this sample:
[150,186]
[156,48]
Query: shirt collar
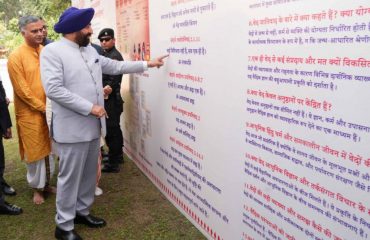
[38,49]
[69,42]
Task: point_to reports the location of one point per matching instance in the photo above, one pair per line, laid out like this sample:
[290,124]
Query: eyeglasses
[105,39]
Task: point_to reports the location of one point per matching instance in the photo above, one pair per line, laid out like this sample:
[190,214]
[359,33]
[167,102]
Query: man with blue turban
[71,72]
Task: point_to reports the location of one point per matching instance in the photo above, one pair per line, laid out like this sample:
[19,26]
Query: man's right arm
[114,67]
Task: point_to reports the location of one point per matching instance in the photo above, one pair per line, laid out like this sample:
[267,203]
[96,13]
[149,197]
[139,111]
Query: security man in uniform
[113,104]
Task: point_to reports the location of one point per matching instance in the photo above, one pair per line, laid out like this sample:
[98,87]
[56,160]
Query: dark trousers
[114,142]
[2,167]
[1,198]
[2,160]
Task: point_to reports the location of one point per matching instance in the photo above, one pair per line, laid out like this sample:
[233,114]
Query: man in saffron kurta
[29,103]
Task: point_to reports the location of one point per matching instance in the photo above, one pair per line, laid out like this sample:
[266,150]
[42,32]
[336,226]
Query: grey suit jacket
[72,79]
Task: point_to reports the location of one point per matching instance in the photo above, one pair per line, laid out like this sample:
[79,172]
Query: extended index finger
[163,57]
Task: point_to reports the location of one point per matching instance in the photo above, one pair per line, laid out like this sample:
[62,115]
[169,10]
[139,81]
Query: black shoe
[110,169]
[105,159]
[9,209]
[66,235]
[7,190]
[90,221]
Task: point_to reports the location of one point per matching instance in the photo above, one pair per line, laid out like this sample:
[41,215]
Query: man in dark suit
[6,132]
[113,103]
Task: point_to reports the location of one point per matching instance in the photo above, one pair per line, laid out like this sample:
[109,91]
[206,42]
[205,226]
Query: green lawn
[131,205]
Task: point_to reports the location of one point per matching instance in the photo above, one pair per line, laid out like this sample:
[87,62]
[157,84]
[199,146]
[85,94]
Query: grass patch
[132,206]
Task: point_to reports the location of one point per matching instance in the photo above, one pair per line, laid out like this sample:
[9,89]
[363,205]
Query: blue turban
[73,20]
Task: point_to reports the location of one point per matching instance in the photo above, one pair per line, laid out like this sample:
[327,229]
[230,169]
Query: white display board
[105,15]
[258,125]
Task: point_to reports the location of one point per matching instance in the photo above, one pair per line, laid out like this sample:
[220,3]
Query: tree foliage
[11,10]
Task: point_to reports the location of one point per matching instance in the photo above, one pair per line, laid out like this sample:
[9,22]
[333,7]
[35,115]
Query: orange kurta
[29,103]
